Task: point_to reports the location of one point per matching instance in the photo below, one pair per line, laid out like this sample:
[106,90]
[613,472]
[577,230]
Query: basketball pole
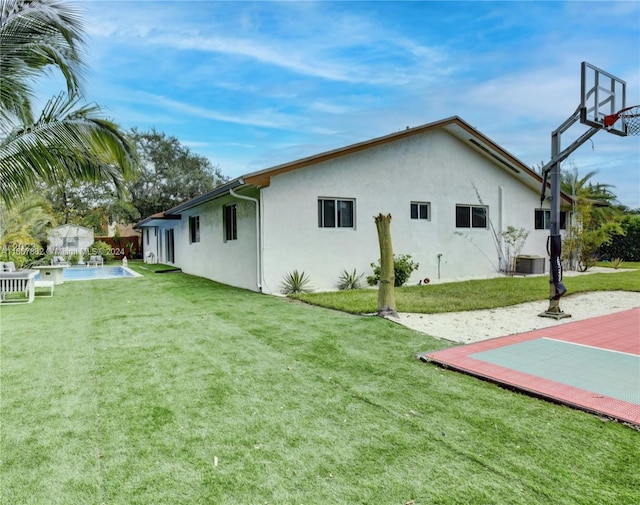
[554,245]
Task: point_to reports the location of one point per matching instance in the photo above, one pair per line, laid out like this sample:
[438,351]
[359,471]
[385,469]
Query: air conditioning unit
[530,264]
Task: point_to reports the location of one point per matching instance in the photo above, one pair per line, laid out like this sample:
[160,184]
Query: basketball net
[630,118]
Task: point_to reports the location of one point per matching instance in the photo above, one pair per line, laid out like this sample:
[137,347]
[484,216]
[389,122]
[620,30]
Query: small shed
[69,239]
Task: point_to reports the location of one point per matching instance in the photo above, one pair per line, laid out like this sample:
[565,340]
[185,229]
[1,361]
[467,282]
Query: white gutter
[258,241]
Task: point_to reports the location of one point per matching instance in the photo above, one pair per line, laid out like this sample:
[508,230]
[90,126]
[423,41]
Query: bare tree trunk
[386,292]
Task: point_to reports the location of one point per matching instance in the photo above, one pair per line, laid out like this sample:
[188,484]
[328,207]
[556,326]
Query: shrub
[617,263]
[349,280]
[99,248]
[295,282]
[403,266]
[512,242]
[627,246]
[19,260]
[131,249]
[45,260]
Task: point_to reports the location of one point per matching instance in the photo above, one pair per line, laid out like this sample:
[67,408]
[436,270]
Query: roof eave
[262,178]
[211,195]
[484,144]
[155,220]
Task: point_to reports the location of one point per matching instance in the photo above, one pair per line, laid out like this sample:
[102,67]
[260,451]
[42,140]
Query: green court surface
[603,371]
[591,364]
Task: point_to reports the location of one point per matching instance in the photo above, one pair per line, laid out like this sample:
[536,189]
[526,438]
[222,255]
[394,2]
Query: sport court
[593,365]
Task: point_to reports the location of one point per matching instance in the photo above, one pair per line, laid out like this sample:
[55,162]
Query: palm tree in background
[25,224]
[596,218]
[67,140]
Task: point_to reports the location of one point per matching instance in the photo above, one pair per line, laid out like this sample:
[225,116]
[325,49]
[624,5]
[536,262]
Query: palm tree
[596,218]
[68,140]
[26,222]
[23,228]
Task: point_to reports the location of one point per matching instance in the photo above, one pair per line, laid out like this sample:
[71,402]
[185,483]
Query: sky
[250,85]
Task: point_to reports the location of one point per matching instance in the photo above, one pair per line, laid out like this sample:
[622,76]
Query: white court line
[592,347]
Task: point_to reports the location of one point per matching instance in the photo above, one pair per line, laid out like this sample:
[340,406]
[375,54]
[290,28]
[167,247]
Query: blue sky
[253,84]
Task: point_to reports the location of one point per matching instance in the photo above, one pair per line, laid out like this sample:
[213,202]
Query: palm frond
[67,141]
[35,36]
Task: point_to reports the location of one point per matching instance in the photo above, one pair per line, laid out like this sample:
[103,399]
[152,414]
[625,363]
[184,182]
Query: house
[69,239]
[450,190]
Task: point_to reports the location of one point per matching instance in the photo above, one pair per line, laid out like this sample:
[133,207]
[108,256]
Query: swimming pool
[81,273]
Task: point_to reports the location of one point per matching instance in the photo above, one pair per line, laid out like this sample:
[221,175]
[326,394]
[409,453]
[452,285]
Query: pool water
[80,273]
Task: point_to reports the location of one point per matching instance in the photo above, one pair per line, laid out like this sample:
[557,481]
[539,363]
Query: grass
[471,295]
[171,389]
[625,264]
[158,268]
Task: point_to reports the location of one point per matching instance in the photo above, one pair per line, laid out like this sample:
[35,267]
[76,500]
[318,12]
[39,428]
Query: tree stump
[386,285]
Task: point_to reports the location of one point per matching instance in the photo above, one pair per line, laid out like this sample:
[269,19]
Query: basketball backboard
[601,94]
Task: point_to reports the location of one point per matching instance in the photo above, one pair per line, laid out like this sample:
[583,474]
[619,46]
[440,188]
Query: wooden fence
[123,246]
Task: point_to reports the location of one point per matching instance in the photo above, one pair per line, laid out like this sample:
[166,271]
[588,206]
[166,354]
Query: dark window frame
[542,219]
[417,209]
[194,229]
[472,216]
[68,242]
[230,222]
[337,213]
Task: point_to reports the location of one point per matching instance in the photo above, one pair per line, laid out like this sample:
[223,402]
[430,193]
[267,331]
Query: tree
[89,205]
[169,173]
[386,289]
[626,246]
[598,195]
[596,219]
[67,140]
[23,229]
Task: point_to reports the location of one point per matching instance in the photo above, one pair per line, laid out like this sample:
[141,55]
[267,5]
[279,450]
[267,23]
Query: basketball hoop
[630,118]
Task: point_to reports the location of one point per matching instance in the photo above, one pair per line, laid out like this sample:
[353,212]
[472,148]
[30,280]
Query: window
[70,241]
[148,233]
[230,223]
[334,213]
[543,219]
[469,216]
[170,245]
[420,210]
[194,229]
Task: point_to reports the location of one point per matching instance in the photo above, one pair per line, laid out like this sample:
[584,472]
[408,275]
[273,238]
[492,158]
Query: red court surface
[614,335]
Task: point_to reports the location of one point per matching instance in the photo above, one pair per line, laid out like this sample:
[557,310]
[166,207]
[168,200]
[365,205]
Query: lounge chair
[95,261]
[20,282]
[59,261]
[7,266]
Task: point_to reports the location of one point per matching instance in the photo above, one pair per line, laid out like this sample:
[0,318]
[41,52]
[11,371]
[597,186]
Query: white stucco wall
[432,167]
[230,262]
[151,244]
[56,238]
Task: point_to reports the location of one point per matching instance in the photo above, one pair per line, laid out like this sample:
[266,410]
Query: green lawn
[471,295]
[170,389]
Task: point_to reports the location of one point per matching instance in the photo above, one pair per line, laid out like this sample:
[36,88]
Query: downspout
[258,241]
[501,256]
[500,210]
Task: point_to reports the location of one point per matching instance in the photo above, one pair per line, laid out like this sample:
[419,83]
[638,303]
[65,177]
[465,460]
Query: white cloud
[264,118]
[291,79]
